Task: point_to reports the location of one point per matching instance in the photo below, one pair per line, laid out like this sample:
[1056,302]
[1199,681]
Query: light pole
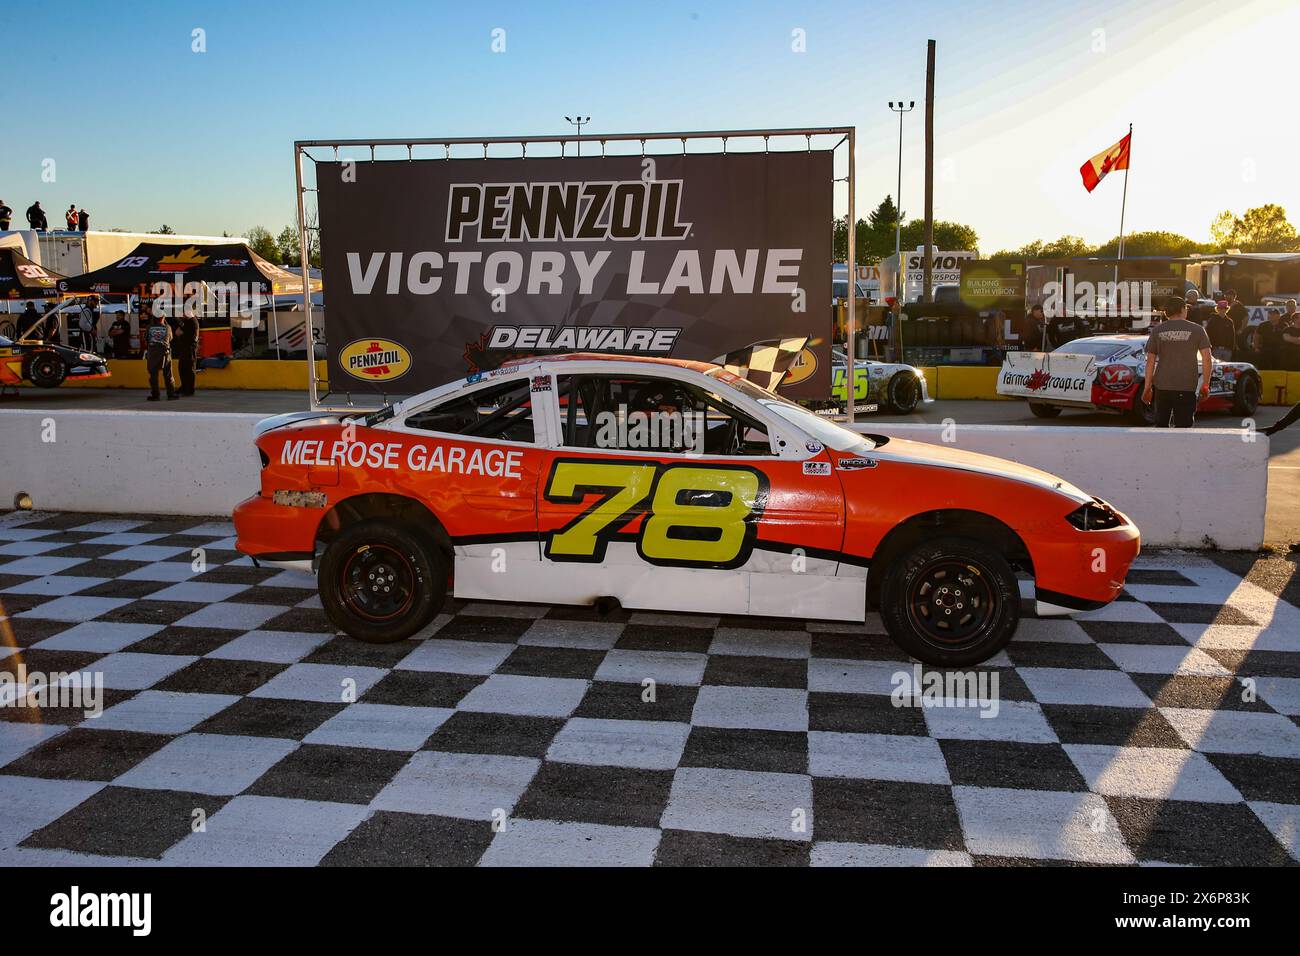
[900,109]
[579,121]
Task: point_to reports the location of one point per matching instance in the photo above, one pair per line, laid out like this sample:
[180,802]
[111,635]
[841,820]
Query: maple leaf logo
[1038,381]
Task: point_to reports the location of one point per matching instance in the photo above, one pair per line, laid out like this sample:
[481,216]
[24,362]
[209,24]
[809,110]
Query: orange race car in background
[670,485]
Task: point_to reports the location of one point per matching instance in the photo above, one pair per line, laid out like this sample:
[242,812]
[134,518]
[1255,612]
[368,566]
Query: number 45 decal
[696,516]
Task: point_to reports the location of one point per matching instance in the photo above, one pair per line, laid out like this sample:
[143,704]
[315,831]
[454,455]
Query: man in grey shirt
[1172,350]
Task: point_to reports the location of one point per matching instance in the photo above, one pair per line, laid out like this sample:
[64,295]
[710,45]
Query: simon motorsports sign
[441,268]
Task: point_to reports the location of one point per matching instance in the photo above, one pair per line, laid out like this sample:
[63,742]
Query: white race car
[1104,373]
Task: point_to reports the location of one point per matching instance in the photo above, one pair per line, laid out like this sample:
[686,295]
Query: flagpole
[1124,201]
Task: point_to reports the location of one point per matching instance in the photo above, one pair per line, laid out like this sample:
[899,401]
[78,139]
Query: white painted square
[876,757]
[835,676]
[1125,612]
[742,803]
[324,683]
[1152,773]
[55,585]
[74,607]
[211,529]
[549,843]
[127,670]
[145,552]
[235,617]
[32,802]
[1283,821]
[1067,685]
[869,854]
[645,744]
[1235,732]
[268,831]
[662,667]
[753,708]
[1280,693]
[526,696]
[581,635]
[1164,659]
[110,525]
[39,566]
[208,763]
[380,727]
[749,642]
[290,578]
[273,647]
[1041,825]
[200,592]
[456,657]
[166,571]
[18,738]
[465,786]
[1014,720]
[24,549]
[103,637]
[161,712]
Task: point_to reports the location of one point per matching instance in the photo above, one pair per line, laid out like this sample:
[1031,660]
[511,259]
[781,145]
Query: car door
[662,494]
[474,458]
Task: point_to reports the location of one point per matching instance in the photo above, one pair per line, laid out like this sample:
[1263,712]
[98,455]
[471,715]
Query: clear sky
[143,130]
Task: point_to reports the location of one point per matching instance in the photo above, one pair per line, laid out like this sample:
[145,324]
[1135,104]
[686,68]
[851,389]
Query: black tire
[970,583]
[46,370]
[903,393]
[1245,397]
[1044,411]
[401,560]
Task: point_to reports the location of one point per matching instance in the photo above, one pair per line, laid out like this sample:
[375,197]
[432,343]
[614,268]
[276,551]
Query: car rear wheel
[46,370]
[1245,397]
[951,602]
[381,583]
[1044,411]
[904,393]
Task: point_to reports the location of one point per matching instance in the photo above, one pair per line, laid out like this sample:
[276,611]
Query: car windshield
[1101,348]
[829,433]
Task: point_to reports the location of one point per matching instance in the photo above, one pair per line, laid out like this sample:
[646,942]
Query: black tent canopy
[207,262]
[21,278]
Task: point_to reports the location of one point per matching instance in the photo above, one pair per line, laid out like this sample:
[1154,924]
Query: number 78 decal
[695,516]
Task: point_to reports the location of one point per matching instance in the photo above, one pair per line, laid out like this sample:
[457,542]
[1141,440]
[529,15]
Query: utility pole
[579,121]
[927,262]
[899,281]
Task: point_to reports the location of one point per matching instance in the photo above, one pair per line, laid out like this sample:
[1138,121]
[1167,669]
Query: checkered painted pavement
[1162,729]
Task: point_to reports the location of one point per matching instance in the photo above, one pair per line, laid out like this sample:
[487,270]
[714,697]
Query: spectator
[120,333]
[1269,334]
[1223,335]
[36,217]
[83,220]
[1193,299]
[70,217]
[1291,344]
[1172,350]
[186,347]
[6,215]
[51,333]
[86,326]
[1033,335]
[158,344]
[1237,312]
[28,320]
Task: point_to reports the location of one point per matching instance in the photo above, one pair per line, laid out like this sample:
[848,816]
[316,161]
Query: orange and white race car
[672,485]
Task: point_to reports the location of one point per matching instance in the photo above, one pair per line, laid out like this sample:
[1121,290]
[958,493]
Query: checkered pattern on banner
[763,363]
[1161,729]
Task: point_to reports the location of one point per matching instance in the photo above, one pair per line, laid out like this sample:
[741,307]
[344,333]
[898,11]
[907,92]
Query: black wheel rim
[45,368]
[952,603]
[377,583]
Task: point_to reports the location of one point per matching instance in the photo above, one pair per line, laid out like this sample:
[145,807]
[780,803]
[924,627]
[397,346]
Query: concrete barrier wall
[1189,488]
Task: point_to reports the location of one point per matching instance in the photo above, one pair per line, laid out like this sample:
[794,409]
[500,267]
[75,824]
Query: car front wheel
[952,602]
[904,393]
[381,583]
[1245,398]
[46,370]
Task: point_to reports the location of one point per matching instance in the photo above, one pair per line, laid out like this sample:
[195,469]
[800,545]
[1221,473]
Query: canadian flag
[1095,169]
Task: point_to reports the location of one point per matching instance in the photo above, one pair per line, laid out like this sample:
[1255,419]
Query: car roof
[604,357]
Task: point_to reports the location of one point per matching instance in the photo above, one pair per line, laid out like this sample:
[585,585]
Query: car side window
[502,411]
[643,413]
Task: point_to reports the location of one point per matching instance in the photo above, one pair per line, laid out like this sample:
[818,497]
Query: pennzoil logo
[375,360]
[803,366]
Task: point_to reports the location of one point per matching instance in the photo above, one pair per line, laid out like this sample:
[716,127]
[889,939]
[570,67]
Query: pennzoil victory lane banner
[439,269]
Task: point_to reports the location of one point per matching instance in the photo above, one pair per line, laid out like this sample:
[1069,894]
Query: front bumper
[1084,570]
[275,534]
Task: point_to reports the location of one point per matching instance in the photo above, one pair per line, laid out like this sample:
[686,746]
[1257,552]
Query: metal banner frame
[301,152]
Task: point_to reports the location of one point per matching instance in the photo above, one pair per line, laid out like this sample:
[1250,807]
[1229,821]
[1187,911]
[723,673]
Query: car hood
[924,453]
